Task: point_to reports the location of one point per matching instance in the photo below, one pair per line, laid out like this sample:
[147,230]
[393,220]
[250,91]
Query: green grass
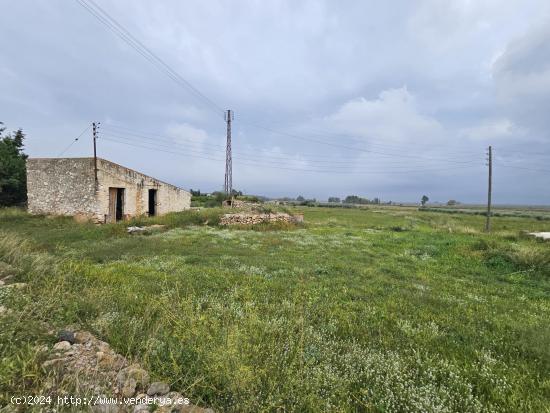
[376,310]
[539,213]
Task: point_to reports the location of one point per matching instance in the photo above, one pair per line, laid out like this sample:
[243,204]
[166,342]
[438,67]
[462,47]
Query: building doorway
[152,202]
[116,204]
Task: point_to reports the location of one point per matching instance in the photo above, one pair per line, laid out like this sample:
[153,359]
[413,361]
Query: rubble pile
[257,218]
[81,358]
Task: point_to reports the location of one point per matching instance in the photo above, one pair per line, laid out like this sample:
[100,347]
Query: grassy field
[374,310]
[536,212]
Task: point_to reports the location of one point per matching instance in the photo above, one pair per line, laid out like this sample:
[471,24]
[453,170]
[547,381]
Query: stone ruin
[258,218]
[236,203]
[115,384]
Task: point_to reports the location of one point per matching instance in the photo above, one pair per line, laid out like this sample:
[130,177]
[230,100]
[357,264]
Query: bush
[517,257]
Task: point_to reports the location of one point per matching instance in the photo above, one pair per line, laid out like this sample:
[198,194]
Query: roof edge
[112,163]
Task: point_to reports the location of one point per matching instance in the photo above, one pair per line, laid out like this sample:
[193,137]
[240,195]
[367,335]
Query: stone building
[104,193]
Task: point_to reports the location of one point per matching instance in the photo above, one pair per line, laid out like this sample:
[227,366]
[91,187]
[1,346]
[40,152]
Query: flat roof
[113,163]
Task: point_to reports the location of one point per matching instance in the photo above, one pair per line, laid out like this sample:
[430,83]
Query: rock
[66,335]
[174,395]
[543,235]
[158,388]
[166,409]
[62,346]
[129,387]
[135,230]
[110,360]
[130,378]
[82,337]
[103,346]
[118,362]
[100,370]
[54,364]
[41,349]
[143,230]
[257,218]
[2,283]
[106,408]
[105,360]
[134,371]
[179,404]
[3,310]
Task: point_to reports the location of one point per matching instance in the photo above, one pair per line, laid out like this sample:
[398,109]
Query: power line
[264,165]
[330,160]
[107,20]
[525,168]
[351,148]
[387,150]
[263,157]
[369,141]
[147,135]
[520,152]
[359,140]
[74,141]
[101,15]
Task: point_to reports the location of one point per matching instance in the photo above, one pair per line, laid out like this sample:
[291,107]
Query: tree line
[354,199]
[13,174]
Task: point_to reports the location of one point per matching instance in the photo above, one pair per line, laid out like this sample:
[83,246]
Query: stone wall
[66,186]
[251,219]
[236,203]
[136,198]
[63,186]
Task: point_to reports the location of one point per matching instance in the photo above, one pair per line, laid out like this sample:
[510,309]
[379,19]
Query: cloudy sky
[380,99]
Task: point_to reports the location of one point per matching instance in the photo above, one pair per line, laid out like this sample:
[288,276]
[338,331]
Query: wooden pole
[94,129]
[490,190]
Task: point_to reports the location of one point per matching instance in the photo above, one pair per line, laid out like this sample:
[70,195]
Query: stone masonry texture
[66,186]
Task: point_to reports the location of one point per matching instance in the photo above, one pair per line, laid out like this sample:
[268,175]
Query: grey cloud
[403,78]
[522,78]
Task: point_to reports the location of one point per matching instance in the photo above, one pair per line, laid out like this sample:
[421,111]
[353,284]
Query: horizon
[393,101]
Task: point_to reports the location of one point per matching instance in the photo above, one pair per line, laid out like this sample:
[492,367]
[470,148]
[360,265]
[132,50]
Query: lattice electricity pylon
[228,185]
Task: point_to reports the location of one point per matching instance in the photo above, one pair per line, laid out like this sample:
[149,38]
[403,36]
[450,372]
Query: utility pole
[490,188]
[95,127]
[228,185]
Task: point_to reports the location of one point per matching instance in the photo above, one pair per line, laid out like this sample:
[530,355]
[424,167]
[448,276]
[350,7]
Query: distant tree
[354,199]
[13,175]
[376,201]
[334,199]
[195,193]
[452,202]
[424,200]
[234,192]
[300,198]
